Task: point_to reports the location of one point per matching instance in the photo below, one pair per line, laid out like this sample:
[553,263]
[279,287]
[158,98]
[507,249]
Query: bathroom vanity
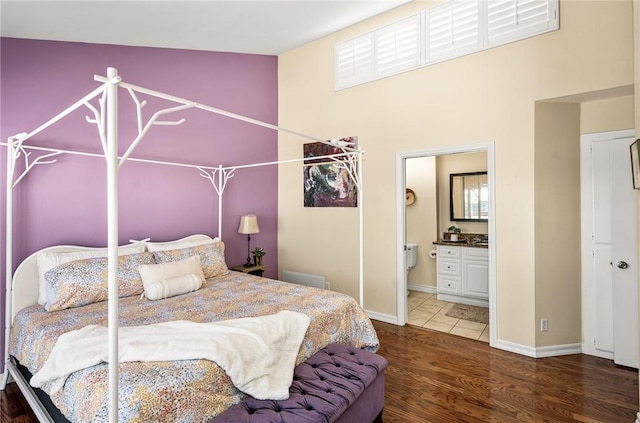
[463,273]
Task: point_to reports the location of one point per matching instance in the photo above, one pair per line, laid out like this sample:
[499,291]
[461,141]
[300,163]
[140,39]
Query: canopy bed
[75,298]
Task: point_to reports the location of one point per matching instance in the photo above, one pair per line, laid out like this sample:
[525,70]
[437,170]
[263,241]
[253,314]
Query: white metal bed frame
[105,117]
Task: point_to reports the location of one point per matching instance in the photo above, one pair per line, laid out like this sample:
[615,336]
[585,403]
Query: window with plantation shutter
[512,20]
[452,29]
[398,47]
[448,30]
[354,61]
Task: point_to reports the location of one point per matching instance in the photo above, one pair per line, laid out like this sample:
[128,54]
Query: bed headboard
[25,278]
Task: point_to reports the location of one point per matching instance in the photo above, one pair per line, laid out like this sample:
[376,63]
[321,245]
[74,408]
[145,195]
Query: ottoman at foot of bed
[338,384]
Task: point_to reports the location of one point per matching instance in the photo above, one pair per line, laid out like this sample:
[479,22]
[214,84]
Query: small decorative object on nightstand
[252,270]
[258,253]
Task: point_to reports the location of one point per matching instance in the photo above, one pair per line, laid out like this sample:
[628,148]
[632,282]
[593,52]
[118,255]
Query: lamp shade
[249,224]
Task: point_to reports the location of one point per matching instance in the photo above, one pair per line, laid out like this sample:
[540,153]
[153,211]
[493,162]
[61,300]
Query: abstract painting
[327,181]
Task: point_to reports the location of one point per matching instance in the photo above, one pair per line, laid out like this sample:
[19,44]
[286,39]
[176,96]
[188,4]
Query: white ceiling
[257,27]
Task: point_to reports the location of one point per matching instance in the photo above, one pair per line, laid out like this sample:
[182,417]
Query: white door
[610,265]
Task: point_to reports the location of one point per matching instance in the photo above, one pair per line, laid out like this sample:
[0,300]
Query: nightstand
[252,270]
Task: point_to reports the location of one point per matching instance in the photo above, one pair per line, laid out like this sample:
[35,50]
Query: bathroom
[428,217]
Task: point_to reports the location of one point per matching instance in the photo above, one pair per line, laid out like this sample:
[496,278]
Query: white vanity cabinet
[449,268]
[463,274]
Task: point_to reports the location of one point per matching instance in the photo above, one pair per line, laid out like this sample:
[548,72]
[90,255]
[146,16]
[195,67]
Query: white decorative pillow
[171,287]
[178,244]
[211,257]
[48,260]
[153,273]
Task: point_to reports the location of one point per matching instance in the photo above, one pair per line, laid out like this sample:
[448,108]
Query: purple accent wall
[65,202]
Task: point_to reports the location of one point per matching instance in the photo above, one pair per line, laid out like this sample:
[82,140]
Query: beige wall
[422,218]
[557,222]
[607,115]
[457,163]
[487,96]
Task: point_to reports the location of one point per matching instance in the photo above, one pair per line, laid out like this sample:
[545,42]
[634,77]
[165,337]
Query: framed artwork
[635,163]
[327,182]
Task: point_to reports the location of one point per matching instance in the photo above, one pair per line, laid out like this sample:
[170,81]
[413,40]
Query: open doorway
[428,232]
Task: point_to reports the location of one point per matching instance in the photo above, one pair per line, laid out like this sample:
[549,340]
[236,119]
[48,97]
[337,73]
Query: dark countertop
[461,243]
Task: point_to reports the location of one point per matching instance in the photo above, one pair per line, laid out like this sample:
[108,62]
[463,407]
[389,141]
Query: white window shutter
[354,61]
[397,47]
[442,32]
[452,29]
[512,20]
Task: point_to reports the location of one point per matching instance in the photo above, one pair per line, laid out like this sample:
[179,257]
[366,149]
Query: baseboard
[556,350]
[422,288]
[638,417]
[539,352]
[386,318]
[464,300]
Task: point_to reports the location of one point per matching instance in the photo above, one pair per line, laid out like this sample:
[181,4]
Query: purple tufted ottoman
[339,383]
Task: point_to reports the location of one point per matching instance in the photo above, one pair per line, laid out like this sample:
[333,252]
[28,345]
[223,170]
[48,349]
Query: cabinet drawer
[449,285]
[449,267]
[446,251]
[476,254]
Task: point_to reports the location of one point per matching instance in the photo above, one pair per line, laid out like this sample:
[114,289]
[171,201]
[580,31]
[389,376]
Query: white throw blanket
[258,353]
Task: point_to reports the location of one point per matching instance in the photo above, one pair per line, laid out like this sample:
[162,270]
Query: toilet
[411,255]
[410,258]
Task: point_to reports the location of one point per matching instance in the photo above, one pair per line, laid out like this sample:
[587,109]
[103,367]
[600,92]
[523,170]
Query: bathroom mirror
[469,196]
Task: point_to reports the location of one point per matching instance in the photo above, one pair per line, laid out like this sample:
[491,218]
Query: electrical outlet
[544,325]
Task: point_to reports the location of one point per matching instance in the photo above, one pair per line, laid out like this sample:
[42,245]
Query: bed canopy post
[220,183]
[360,225]
[112,225]
[8,254]
[223,176]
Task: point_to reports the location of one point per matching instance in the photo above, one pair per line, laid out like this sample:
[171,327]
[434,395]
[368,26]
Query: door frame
[401,276]
[587,277]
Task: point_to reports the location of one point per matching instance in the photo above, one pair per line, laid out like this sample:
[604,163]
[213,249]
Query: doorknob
[622,264]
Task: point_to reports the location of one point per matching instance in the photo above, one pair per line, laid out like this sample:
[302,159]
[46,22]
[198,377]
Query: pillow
[171,287]
[156,272]
[83,282]
[48,260]
[211,257]
[179,243]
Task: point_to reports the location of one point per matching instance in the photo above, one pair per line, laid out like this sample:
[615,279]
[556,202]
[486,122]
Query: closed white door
[610,265]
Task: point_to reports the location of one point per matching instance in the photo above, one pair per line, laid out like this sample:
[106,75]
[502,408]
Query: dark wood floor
[13,406]
[437,377]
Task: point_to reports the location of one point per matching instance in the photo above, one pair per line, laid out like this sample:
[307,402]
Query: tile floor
[426,311]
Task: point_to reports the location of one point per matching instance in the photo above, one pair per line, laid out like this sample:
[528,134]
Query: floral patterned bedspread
[187,390]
